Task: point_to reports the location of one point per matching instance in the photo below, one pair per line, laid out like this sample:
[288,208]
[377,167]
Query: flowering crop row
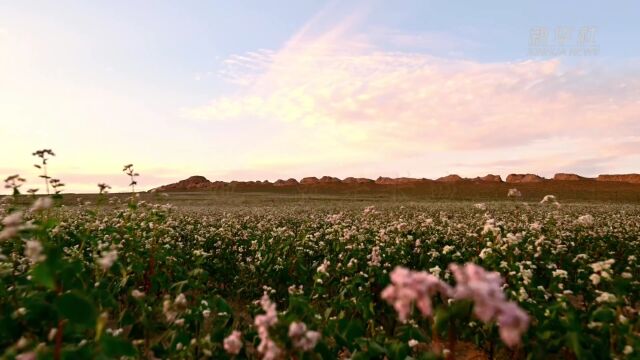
[416,281]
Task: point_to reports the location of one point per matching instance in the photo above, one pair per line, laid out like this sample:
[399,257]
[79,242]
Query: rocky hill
[200,183]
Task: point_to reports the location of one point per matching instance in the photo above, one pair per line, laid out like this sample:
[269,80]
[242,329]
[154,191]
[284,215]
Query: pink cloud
[406,99]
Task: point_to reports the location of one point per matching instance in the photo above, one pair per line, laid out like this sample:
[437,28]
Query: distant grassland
[565,191]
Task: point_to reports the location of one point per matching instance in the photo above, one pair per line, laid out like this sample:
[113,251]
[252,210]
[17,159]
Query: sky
[255,90]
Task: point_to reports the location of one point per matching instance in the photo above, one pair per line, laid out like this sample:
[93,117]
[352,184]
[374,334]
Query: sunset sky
[254,90]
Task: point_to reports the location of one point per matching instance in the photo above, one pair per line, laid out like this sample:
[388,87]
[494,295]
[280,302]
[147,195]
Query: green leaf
[604,314]
[42,274]
[116,347]
[76,307]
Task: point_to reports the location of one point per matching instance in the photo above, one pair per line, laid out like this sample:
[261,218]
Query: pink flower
[233,343]
[513,322]
[408,287]
[268,348]
[297,329]
[482,287]
[301,338]
[31,355]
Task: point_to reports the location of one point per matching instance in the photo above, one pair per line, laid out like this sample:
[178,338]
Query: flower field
[141,279]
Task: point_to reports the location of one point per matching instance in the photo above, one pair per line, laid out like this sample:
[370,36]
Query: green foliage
[134,279]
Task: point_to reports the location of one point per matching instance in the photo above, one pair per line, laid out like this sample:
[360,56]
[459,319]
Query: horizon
[257,91]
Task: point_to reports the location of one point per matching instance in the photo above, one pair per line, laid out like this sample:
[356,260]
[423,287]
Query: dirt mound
[524,178]
[309,180]
[397,181]
[288,182]
[196,182]
[330,180]
[385,181]
[353,180]
[628,178]
[491,178]
[450,178]
[568,177]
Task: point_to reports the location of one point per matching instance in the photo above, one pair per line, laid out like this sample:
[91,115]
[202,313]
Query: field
[321,276]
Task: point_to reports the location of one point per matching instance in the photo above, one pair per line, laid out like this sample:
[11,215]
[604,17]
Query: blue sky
[254,89]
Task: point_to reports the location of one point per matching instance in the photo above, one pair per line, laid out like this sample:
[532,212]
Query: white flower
[559,273]
[137,294]
[323,267]
[181,301]
[413,343]
[585,220]
[485,252]
[480,206]
[627,350]
[514,193]
[606,297]
[549,199]
[595,279]
[42,204]
[33,251]
[52,334]
[107,259]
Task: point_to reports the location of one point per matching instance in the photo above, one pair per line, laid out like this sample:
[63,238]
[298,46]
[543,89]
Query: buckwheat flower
[137,294]
[375,256]
[11,225]
[52,334]
[606,297]
[559,273]
[628,350]
[33,251]
[514,193]
[169,313]
[31,355]
[595,279]
[585,220]
[408,287]
[436,270]
[323,267]
[267,347]
[233,343]
[22,343]
[483,287]
[480,206]
[206,313]
[308,341]
[13,219]
[180,302]
[485,252]
[626,275]
[42,203]
[602,265]
[413,343]
[297,329]
[108,259]
[549,199]
[490,227]
[512,322]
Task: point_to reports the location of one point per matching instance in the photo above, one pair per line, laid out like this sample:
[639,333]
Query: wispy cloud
[341,84]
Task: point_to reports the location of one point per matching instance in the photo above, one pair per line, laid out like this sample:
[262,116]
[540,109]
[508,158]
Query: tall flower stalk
[44,156]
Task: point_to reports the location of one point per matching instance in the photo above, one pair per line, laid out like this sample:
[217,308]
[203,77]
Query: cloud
[416,101]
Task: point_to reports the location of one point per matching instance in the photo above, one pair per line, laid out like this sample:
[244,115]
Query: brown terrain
[621,187]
